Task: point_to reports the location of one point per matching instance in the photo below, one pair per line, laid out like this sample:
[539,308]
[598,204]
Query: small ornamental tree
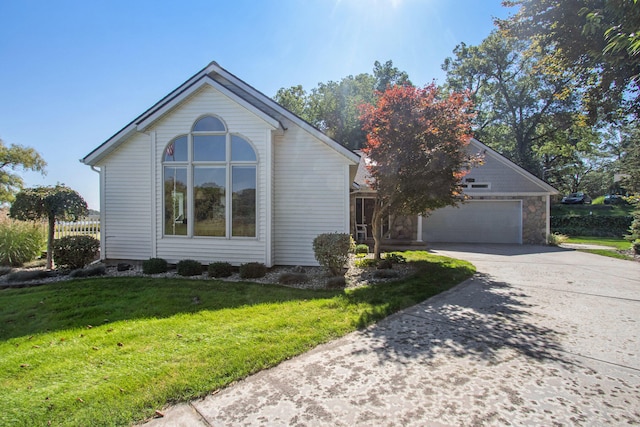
[416,143]
[50,203]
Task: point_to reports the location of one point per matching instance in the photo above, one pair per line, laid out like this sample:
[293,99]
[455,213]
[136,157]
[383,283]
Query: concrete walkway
[540,336]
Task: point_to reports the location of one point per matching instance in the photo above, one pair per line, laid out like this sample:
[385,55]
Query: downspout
[102,222]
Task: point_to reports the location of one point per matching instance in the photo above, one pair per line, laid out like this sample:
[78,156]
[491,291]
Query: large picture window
[210,182]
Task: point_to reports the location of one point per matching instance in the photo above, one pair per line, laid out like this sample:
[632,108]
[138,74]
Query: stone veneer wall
[534,217]
[404,227]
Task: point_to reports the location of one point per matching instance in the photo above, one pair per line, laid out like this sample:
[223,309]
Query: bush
[361,249]
[252,270]
[189,267]
[291,278]
[96,270]
[332,250]
[634,228]
[220,269]
[366,263]
[556,239]
[27,275]
[636,247]
[591,225]
[395,258]
[20,242]
[154,266]
[75,251]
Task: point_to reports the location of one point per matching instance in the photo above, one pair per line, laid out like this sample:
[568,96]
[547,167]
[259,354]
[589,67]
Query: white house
[217,171]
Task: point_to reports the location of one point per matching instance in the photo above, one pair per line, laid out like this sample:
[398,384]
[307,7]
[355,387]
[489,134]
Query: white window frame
[228,164]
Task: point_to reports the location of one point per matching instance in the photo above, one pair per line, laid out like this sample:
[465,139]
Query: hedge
[591,225]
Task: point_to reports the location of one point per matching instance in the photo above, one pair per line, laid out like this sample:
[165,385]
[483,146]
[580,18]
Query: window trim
[191,164]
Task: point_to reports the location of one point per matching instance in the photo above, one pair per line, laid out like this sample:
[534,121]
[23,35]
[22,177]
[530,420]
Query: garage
[476,221]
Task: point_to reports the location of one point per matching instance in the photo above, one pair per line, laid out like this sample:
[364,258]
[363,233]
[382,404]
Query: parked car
[576,199]
[614,199]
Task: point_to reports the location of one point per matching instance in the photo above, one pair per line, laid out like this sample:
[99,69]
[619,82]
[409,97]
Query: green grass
[608,253]
[111,351]
[615,244]
[619,244]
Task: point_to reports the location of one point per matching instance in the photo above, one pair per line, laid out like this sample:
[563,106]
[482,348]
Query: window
[210,182]
[471,184]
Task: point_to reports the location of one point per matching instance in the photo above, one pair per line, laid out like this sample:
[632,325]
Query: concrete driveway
[540,336]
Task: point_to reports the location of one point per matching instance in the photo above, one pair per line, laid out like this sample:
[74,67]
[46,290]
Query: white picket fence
[86,226]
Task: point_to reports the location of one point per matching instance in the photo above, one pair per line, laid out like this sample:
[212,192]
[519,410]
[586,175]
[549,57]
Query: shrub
[336,282]
[95,270]
[189,267]
[75,251]
[636,247]
[634,228]
[291,278]
[220,269]
[361,249]
[123,266]
[556,239]
[332,250]
[366,262]
[395,258]
[27,275]
[154,266]
[591,225]
[253,270]
[20,242]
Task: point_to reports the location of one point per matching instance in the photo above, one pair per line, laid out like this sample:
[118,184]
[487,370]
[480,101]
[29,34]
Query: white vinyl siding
[239,121]
[127,201]
[500,178]
[310,195]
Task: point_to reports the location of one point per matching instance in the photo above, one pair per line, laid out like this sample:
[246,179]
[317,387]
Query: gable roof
[508,163]
[362,175]
[272,113]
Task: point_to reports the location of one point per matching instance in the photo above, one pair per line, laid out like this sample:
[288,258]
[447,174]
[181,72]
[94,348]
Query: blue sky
[73,73]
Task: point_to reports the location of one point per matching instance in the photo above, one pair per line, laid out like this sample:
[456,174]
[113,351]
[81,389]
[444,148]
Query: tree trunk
[378,214]
[50,235]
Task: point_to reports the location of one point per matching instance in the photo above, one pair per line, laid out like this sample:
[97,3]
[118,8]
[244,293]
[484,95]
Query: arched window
[210,183]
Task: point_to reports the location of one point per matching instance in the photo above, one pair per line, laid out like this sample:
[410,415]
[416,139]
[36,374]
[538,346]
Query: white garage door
[491,221]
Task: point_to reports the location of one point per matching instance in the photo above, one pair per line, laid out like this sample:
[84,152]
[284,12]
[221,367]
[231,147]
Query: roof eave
[528,175]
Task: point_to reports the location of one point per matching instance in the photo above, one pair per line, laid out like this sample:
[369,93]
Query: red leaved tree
[416,141]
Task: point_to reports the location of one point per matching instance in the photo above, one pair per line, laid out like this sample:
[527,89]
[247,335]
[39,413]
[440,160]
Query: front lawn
[111,351]
[619,247]
[619,244]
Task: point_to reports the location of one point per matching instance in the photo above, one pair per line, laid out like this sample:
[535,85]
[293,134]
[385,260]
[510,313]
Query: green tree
[333,106]
[416,141]
[50,203]
[387,75]
[523,110]
[597,39]
[629,162]
[16,157]
[294,99]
